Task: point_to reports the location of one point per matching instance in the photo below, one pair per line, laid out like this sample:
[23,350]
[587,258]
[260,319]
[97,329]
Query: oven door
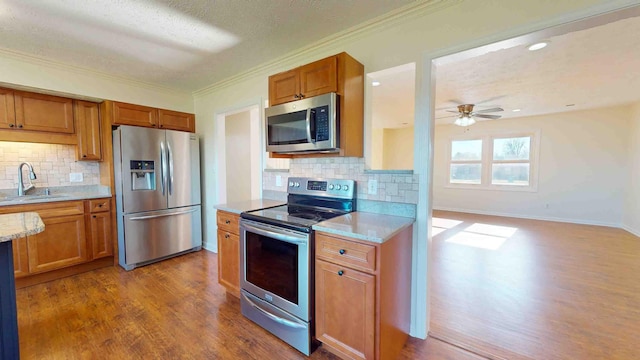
[274,266]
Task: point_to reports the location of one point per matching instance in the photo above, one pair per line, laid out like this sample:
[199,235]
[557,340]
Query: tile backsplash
[52,164]
[392,187]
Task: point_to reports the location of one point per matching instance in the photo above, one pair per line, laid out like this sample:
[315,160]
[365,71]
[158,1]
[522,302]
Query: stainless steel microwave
[308,125]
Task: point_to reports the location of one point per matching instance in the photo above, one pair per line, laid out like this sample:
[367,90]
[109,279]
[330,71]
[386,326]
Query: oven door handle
[275,235]
[273,317]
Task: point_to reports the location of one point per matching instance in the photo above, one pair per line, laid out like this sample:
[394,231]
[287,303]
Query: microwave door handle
[309,138]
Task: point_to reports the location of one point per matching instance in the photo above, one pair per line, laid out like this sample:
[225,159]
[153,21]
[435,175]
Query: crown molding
[408,12]
[38,61]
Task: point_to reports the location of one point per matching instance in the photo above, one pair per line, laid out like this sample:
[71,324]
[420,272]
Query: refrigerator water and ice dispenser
[143,175]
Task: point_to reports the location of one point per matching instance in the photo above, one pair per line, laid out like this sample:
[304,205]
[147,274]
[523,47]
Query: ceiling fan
[466,114]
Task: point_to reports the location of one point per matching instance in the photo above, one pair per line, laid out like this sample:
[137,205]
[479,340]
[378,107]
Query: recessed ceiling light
[375,83]
[538,46]
[516,110]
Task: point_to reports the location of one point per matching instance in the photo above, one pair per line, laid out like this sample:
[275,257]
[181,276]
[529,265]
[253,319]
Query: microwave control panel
[322,123]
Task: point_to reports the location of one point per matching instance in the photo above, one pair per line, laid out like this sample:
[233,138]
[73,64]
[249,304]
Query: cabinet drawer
[228,222]
[99,205]
[345,252]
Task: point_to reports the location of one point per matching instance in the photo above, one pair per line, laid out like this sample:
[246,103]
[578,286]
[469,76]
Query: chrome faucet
[22,190]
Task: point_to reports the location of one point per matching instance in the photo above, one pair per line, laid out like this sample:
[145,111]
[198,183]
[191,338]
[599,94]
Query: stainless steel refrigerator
[157,175]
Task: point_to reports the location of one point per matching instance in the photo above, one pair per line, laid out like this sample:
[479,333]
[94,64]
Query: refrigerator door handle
[163,215]
[170,161]
[163,167]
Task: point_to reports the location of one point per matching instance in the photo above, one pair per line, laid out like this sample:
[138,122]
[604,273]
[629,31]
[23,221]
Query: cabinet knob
[161,125]
[227,222]
[94,216]
[84,155]
[342,251]
[20,126]
[301,96]
[154,125]
[11,125]
[296,96]
[340,272]
[226,236]
[100,205]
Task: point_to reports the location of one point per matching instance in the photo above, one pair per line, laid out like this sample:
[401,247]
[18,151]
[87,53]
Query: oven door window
[287,129]
[272,265]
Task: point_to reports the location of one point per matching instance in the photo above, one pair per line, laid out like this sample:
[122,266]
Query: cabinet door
[62,244]
[88,122]
[101,235]
[284,87]
[40,112]
[319,77]
[174,120]
[229,261]
[7,109]
[345,310]
[136,115]
[20,257]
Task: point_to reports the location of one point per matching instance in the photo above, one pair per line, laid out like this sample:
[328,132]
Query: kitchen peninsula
[12,226]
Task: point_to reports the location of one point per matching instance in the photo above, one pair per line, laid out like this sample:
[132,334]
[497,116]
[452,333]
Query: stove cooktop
[292,215]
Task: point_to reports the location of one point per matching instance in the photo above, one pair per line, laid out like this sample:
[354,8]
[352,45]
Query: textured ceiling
[587,69]
[185,45]
[592,68]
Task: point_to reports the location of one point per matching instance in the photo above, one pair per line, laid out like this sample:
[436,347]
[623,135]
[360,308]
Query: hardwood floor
[174,309]
[550,291]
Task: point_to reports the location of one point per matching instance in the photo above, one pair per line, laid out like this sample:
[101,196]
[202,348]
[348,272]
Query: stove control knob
[345,188]
[338,187]
[290,183]
[297,184]
[330,186]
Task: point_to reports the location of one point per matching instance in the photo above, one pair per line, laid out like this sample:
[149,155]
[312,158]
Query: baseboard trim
[631,230]
[208,248]
[543,218]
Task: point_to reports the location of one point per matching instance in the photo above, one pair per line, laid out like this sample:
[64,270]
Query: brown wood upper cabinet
[319,77]
[138,115]
[176,120]
[38,112]
[341,74]
[87,116]
[7,109]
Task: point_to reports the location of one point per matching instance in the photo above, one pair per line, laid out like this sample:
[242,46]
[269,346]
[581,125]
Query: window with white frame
[494,161]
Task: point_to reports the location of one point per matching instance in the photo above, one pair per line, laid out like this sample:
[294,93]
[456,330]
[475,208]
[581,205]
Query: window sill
[492,187]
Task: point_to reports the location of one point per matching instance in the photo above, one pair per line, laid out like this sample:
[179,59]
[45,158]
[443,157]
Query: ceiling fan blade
[496,109]
[453,111]
[445,117]
[487,116]
[491,99]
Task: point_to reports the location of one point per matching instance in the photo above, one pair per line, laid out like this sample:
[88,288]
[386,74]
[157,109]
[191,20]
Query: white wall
[631,220]
[238,155]
[33,73]
[398,149]
[582,168]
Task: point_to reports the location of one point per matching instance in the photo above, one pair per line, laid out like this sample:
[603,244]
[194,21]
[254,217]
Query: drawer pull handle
[340,272]
[94,216]
[342,251]
[100,205]
[227,222]
[226,236]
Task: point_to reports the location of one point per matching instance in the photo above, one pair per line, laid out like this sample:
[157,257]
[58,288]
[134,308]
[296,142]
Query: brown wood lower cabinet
[229,251]
[62,244]
[363,295]
[74,240]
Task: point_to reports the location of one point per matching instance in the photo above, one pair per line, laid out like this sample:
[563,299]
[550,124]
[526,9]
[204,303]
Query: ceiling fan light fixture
[538,45]
[464,120]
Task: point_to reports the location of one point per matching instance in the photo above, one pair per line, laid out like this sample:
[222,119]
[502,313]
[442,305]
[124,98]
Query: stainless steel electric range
[276,257]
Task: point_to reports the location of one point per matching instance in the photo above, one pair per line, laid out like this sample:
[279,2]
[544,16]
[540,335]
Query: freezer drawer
[155,235]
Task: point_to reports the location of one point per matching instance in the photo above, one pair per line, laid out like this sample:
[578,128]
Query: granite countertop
[240,206]
[14,226]
[61,193]
[366,226]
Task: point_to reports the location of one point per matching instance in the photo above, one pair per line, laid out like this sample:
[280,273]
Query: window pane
[511,148]
[465,173]
[510,174]
[466,150]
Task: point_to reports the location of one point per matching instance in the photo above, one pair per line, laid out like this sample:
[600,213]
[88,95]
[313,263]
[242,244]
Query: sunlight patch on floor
[477,240]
